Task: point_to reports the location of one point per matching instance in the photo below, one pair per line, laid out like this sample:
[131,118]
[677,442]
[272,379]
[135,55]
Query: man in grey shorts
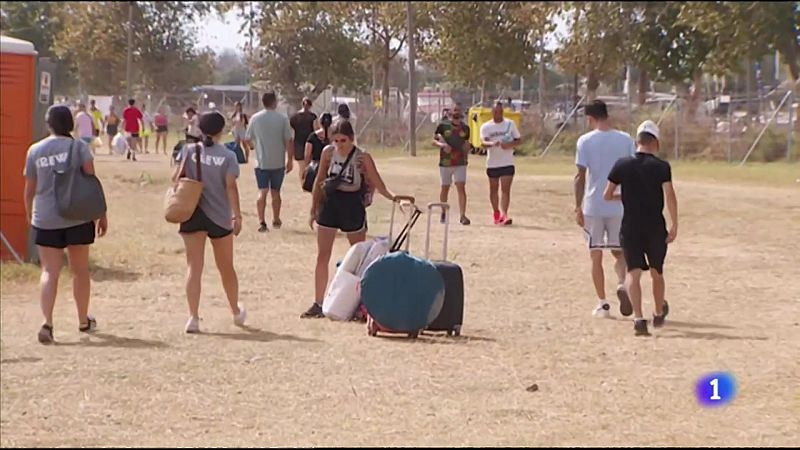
[452,139]
[597,152]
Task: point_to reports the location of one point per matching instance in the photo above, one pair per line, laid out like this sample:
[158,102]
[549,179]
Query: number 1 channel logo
[715,389]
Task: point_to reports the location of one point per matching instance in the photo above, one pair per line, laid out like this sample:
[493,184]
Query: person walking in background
[239,121]
[147,128]
[342,209]
[601,220]
[270,134]
[192,126]
[318,140]
[161,121]
[131,121]
[97,116]
[500,136]
[452,139]
[112,127]
[645,180]
[304,122]
[218,217]
[84,125]
[53,233]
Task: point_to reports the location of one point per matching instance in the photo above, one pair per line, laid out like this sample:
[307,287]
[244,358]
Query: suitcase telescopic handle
[445,208]
[398,200]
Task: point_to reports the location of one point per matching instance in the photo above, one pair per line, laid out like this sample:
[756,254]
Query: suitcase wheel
[372,329]
[413,335]
[456,331]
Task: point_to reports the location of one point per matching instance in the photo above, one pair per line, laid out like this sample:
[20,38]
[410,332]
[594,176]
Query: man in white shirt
[500,136]
[601,220]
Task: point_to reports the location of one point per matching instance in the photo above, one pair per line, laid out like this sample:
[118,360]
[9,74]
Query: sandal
[46,334]
[91,324]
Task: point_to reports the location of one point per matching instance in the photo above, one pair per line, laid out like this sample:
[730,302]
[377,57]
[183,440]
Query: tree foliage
[479,44]
[303,49]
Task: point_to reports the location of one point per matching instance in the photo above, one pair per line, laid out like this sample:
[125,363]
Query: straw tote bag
[183,197]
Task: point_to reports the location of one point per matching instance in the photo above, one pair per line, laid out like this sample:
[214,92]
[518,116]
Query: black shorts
[135,135]
[161,129]
[497,172]
[200,222]
[344,211]
[644,250]
[111,130]
[299,151]
[65,237]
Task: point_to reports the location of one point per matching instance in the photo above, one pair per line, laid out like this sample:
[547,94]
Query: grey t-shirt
[270,131]
[598,151]
[44,158]
[218,162]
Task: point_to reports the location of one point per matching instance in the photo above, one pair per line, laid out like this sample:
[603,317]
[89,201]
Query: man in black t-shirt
[304,122]
[645,180]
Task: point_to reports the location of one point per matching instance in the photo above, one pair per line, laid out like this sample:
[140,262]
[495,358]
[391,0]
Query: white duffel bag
[342,298]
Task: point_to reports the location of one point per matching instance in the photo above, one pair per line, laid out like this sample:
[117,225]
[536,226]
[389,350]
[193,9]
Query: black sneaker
[90,325]
[465,220]
[314,312]
[625,307]
[277,224]
[263,228]
[46,334]
[658,321]
[640,327]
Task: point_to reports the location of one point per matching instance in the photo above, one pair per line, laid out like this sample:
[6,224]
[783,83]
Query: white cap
[648,126]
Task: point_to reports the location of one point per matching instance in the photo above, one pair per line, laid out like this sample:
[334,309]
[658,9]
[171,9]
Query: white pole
[577,105]
[10,248]
[769,122]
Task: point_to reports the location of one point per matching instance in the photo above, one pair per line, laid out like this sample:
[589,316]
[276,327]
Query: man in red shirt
[131,120]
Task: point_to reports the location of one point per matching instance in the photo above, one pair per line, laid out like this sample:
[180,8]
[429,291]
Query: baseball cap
[650,127]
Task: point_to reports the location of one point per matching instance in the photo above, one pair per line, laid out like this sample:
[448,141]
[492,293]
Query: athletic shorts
[65,237]
[271,179]
[644,250]
[343,211]
[111,130]
[602,232]
[447,174]
[161,129]
[200,222]
[299,151]
[497,172]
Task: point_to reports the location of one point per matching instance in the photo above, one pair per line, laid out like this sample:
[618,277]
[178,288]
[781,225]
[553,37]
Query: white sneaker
[602,311]
[193,325]
[240,318]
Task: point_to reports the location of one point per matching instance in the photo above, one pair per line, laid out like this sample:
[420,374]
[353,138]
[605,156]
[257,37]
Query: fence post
[730,129]
[791,128]
[677,126]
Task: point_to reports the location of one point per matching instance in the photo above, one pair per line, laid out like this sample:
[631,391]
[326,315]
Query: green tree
[477,44]
[596,45]
[302,49]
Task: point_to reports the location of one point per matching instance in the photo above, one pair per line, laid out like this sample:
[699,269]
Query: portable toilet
[479,115]
[18,89]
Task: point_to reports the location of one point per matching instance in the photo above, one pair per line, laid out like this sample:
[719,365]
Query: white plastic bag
[119,144]
[380,246]
[342,298]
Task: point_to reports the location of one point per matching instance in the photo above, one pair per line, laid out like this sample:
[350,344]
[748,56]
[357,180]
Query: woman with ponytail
[317,142]
[218,216]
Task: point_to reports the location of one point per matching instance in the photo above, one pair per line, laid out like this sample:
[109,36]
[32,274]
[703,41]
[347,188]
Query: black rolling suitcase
[452,316]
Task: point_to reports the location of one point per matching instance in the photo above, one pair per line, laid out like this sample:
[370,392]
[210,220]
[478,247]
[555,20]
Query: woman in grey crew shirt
[53,233]
[218,217]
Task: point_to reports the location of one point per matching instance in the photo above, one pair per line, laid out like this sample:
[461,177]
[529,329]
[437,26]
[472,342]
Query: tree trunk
[694,97]
[644,85]
[592,83]
[542,84]
[385,86]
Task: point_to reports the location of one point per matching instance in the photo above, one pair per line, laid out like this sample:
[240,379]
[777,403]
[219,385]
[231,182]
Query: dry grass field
[733,282]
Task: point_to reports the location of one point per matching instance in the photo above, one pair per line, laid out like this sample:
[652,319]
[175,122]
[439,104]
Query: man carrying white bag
[343,297]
